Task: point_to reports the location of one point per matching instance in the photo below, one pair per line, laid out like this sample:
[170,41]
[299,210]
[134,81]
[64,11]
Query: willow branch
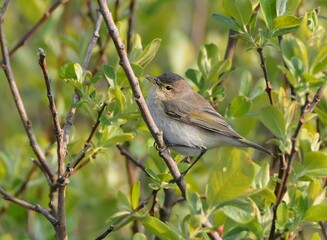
[130,25]
[125,64]
[20,105]
[127,217]
[281,188]
[36,208]
[76,98]
[265,73]
[128,155]
[231,45]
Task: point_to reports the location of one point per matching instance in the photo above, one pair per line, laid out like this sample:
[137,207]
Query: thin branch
[281,188]
[130,25]
[20,106]
[265,73]
[76,98]
[52,105]
[127,217]
[93,41]
[231,45]
[323,229]
[29,33]
[61,154]
[4,7]
[124,62]
[128,155]
[36,208]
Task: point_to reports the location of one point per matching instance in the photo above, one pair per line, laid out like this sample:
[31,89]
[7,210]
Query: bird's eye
[168,88]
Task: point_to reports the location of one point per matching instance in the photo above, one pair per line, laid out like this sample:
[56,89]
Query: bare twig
[4,7]
[52,105]
[231,44]
[29,33]
[124,62]
[129,216]
[265,73]
[76,98]
[36,208]
[281,188]
[93,41]
[71,168]
[61,154]
[116,10]
[323,229]
[128,155]
[130,25]
[20,105]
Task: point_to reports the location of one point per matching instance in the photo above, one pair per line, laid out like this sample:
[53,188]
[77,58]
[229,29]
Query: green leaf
[194,201]
[111,135]
[160,229]
[135,194]
[245,83]
[268,9]
[71,71]
[240,10]
[240,211]
[263,176]
[109,73]
[149,52]
[288,7]
[227,22]
[319,63]
[230,178]
[139,236]
[282,215]
[273,119]
[315,236]
[120,100]
[285,24]
[239,106]
[219,69]
[194,75]
[317,213]
[315,164]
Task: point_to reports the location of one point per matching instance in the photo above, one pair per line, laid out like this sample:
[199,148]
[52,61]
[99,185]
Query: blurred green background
[183,27]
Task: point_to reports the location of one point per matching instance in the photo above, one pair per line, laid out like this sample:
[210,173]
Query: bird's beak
[152,79]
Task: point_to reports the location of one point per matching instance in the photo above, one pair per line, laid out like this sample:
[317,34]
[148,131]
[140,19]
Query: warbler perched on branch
[189,123]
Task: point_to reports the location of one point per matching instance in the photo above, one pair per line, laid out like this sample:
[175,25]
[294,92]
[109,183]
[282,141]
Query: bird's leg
[203,151]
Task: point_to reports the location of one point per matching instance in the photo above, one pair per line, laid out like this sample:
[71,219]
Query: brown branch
[52,105]
[93,41]
[36,208]
[281,188]
[130,25]
[265,73]
[76,98]
[29,33]
[231,45]
[129,216]
[4,7]
[61,230]
[20,105]
[323,229]
[128,155]
[124,62]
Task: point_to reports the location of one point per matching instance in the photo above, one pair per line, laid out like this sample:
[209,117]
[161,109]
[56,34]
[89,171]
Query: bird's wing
[203,115]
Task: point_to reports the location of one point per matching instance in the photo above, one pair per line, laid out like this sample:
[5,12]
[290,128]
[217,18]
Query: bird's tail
[256,146]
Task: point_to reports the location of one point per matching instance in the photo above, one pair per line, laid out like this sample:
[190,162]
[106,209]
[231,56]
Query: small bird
[189,123]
